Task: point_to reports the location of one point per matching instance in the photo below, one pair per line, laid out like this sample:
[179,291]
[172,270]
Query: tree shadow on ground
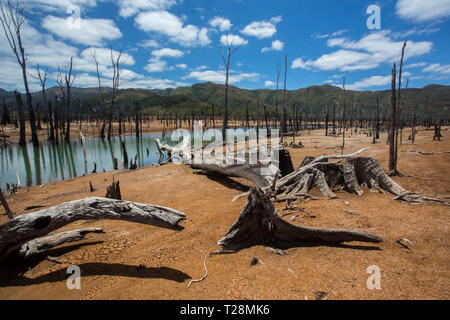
[98,269]
[12,270]
[225,181]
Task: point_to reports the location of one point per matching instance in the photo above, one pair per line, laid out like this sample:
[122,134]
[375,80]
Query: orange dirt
[133,261]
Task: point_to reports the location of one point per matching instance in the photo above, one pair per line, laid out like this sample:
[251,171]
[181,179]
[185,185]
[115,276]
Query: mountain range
[432,100]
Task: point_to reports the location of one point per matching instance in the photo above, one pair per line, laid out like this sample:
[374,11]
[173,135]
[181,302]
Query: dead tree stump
[286,166]
[260,224]
[113,191]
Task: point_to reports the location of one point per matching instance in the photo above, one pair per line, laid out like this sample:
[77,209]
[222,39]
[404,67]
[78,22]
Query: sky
[171,43]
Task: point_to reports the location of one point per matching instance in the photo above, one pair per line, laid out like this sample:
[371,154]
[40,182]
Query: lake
[50,162]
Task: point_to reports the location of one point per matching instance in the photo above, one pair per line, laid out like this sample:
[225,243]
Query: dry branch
[39,245]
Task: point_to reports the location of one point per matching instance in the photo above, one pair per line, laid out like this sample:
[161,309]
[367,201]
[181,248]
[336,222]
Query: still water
[50,162]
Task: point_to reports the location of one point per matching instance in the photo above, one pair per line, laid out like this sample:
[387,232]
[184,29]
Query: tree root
[260,224]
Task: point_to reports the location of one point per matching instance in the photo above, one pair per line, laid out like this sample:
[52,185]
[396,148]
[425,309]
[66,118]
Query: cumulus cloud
[169,25]
[422,11]
[219,76]
[231,39]
[130,8]
[262,29]
[58,5]
[269,83]
[149,44]
[221,23]
[369,52]
[277,45]
[167,52]
[374,81]
[91,32]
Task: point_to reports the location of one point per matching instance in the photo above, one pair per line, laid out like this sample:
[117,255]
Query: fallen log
[26,227]
[39,245]
[260,224]
[427,153]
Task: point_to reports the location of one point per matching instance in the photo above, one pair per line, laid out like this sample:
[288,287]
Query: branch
[39,245]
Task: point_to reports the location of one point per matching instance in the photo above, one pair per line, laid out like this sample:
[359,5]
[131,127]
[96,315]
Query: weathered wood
[260,224]
[5,205]
[23,228]
[350,181]
[113,191]
[39,245]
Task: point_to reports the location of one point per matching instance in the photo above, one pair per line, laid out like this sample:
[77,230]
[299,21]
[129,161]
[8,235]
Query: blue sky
[170,43]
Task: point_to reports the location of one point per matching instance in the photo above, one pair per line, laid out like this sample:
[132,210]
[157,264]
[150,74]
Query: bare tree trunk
[393,123]
[283,115]
[22,139]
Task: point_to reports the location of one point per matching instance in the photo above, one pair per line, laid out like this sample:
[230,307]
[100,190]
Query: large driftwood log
[39,245]
[260,224]
[227,165]
[23,228]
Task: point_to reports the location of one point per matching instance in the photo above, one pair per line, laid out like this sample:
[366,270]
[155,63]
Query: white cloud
[221,23]
[103,56]
[438,68]
[374,81]
[416,31]
[11,76]
[277,45]
[262,29]
[92,32]
[181,66]
[269,83]
[232,39]
[156,65]
[415,65]
[422,11]
[129,8]
[167,52]
[369,52]
[219,76]
[327,35]
[58,5]
[149,44]
[169,25]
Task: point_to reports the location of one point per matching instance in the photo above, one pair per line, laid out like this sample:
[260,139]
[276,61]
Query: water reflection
[50,162]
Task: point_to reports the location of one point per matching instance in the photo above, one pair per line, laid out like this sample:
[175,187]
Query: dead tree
[6,118]
[115,88]
[276,93]
[393,122]
[42,80]
[226,60]
[22,138]
[65,84]
[16,234]
[98,105]
[343,114]
[12,20]
[283,114]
